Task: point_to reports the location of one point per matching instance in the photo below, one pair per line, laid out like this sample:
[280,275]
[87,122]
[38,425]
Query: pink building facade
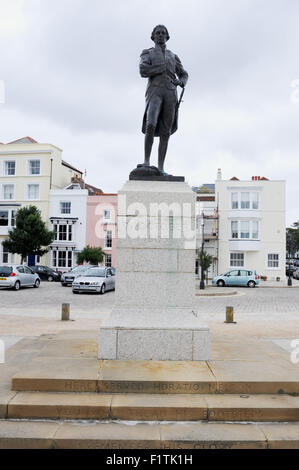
[101,224]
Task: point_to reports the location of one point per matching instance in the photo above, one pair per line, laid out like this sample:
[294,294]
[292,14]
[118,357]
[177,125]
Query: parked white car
[16,276]
[97,280]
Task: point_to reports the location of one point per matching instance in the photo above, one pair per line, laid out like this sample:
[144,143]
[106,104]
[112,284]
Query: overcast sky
[71,71]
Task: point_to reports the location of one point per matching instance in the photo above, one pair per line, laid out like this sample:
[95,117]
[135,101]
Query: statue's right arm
[147,70]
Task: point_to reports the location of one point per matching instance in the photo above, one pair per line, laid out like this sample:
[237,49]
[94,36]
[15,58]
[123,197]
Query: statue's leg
[153,111]
[164,138]
[148,143]
[167,118]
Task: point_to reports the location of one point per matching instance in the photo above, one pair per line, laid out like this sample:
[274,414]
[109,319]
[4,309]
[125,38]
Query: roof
[24,140]
[92,190]
[71,167]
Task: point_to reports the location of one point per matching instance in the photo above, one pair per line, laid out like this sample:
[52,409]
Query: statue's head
[160,34]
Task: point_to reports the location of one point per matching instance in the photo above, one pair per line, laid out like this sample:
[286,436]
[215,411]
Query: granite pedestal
[154,315]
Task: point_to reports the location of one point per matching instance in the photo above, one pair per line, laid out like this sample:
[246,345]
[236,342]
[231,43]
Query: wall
[96,227]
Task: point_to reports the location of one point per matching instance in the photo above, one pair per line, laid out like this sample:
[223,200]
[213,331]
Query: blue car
[237,277]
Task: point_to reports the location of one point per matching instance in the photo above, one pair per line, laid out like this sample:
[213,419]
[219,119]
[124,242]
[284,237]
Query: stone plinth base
[160,335]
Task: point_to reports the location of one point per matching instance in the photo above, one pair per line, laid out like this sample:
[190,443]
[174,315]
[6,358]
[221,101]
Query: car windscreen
[95,273]
[5,271]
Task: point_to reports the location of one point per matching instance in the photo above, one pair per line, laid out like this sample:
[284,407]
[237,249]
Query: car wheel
[103,289]
[220,283]
[37,283]
[17,285]
[251,284]
[75,292]
[63,284]
[50,278]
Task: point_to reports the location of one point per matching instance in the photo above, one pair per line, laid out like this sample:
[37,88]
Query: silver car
[296,274]
[16,276]
[97,280]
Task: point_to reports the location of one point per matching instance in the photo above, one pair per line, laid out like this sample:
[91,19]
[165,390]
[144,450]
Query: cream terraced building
[252,227]
[28,171]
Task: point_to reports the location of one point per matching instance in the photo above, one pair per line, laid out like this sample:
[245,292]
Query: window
[8,192]
[10,168]
[5,257]
[108,261]
[62,229]
[3,218]
[255,200]
[63,232]
[65,207]
[13,219]
[107,215]
[34,167]
[235,229]
[237,259]
[273,260]
[254,229]
[33,192]
[244,229]
[70,232]
[245,273]
[235,203]
[62,259]
[245,201]
[234,273]
[108,239]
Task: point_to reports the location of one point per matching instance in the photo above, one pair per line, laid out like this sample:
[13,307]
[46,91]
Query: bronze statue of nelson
[165,73]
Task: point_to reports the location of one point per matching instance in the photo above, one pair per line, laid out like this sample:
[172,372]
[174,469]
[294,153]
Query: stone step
[157,377]
[149,407]
[93,435]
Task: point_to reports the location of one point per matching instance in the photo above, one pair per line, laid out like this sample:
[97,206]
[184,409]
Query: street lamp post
[289,243]
[202,282]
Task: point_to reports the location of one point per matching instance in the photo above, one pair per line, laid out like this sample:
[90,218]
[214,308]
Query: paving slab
[252,407]
[71,347]
[156,377]
[5,398]
[34,405]
[236,349]
[107,436]
[158,407]
[212,436]
[251,377]
[27,435]
[65,375]
[283,436]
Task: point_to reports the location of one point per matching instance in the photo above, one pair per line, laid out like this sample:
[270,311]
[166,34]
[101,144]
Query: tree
[206,260]
[91,254]
[293,238]
[30,235]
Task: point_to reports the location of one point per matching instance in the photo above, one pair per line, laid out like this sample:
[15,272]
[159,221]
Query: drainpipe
[51,173]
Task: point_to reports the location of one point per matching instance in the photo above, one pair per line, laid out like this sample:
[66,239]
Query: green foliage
[30,235]
[293,238]
[205,259]
[91,254]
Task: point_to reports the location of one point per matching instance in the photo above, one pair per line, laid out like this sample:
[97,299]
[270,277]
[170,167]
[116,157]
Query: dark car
[46,274]
[68,278]
[290,268]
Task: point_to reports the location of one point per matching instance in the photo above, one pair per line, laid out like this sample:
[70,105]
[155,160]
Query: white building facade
[252,228]
[67,217]
[207,227]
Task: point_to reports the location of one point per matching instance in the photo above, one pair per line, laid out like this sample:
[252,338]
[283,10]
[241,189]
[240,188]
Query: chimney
[219,174]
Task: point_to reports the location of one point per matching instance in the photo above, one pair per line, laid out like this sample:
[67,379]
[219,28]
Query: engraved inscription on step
[158,387]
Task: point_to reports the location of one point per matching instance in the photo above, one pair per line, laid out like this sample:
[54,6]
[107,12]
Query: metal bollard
[230,315]
[65,312]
